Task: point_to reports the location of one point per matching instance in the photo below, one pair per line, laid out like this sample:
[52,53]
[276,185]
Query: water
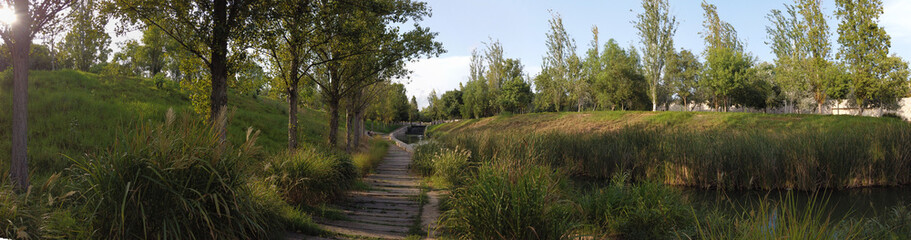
[846,203]
[409,139]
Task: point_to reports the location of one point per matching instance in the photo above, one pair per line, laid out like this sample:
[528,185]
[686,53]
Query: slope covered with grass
[724,150]
[73,113]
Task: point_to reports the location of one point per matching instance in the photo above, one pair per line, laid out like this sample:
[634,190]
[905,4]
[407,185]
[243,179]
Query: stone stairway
[388,209]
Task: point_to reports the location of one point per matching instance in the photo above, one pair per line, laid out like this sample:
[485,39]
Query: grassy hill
[726,150]
[74,113]
[607,121]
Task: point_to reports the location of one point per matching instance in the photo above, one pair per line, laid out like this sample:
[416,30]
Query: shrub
[310,175]
[636,211]
[422,159]
[451,165]
[508,202]
[366,162]
[173,180]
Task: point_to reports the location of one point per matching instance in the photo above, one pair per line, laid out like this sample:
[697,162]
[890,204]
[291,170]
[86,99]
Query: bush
[451,165]
[366,162]
[173,180]
[310,175]
[422,160]
[639,211]
[508,202]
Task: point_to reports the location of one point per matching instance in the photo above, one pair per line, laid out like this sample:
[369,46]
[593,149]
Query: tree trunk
[219,66]
[333,121]
[349,130]
[686,105]
[20,48]
[292,116]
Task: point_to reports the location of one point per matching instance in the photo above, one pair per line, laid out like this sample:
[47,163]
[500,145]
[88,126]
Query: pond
[845,203]
[410,139]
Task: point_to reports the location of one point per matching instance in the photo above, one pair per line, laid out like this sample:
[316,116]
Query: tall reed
[172,180]
[803,159]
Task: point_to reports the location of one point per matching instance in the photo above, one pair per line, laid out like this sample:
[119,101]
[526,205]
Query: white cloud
[440,74]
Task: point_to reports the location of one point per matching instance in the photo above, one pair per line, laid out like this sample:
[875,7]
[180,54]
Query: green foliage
[391,104]
[552,84]
[86,44]
[509,202]
[310,175]
[621,84]
[172,180]
[682,76]
[636,211]
[656,32]
[422,160]
[451,165]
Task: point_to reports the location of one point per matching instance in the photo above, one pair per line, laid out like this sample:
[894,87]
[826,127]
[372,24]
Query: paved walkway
[388,209]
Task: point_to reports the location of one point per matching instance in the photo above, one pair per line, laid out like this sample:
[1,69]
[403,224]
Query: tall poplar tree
[656,32]
[865,49]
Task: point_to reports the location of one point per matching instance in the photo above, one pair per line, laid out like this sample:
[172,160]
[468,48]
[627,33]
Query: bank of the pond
[706,150]
[854,203]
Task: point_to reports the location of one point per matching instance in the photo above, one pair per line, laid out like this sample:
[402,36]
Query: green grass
[310,175]
[366,162]
[105,163]
[721,150]
[74,113]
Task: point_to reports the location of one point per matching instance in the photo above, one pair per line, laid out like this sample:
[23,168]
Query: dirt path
[389,209]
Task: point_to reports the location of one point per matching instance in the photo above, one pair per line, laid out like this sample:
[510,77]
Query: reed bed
[804,159]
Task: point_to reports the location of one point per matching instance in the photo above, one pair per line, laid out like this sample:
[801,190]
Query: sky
[521,27]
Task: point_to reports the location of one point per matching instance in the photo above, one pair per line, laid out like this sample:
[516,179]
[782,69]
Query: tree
[801,44]
[413,111]
[31,18]
[205,29]
[451,104]
[727,66]
[476,101]
[376,48]
[784,36]
[556,75]
[514,94]
[864,47]
[289,37]
[86,44]
[656,32]
[682,76]
[620,85]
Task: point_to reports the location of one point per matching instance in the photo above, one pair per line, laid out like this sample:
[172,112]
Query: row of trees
[610,77]
[343,53]
[495,85]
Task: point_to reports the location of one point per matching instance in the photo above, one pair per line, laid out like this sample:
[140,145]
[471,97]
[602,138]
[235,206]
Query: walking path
[388,209]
